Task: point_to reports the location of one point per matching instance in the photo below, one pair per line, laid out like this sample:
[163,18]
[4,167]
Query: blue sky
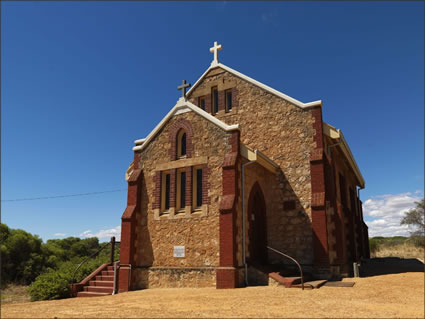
[81,81]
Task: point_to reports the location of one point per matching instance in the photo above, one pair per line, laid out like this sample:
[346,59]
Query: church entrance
[257,226]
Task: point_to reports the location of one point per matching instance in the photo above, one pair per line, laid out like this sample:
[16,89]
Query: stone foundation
[173,277]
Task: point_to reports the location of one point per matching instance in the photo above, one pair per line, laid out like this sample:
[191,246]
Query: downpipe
[244,220]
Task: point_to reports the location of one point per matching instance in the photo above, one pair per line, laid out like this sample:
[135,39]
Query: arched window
[180,137]
[181,144]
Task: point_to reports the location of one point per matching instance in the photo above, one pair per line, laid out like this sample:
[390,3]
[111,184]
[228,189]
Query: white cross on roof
[217,47]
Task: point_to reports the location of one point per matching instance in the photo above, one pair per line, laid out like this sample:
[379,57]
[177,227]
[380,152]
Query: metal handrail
[112,242]
[287,256]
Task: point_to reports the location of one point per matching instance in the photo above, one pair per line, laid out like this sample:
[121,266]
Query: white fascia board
[260,158]
[183,106]
[140,141]
[352,161]
[259,84]
[334,133]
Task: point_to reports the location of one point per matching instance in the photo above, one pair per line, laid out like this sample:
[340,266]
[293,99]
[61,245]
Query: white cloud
[59,234]
[387,212]
[104,233]
[86,233]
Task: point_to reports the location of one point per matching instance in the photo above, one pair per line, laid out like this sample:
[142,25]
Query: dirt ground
[399,294]
[14,294]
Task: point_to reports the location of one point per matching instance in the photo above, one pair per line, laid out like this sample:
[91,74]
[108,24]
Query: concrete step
[111,268]
[107,290]
[104,278]
[91,294]
[107,273]
[101,283]
[315,284]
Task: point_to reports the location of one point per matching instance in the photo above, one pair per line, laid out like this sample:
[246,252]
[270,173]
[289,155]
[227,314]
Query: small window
[197,187]
[165,191]
[181,144]
[228,95]
[181,190]
[214,99]
[202,103]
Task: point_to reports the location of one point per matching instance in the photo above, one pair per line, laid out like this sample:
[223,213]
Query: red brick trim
[208,103]
[235,100]
[172,135]
[205,184]
[230,160]
[189,182]
[173,177]
[128,225]
[156,204]
[316,155]
[340,234]
[318,212]
[227,203]
[226,278]
[318,200]
[221,100]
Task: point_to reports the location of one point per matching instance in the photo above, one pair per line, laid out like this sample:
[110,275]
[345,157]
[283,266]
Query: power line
[62,196]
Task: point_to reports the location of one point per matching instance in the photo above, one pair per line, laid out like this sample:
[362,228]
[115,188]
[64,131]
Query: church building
[235,173]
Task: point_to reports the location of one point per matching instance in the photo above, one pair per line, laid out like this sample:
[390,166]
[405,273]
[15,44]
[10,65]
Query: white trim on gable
[182,106]
[336,134]
[259,84]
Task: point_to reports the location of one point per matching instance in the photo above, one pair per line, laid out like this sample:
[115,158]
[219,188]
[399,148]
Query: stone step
[107,290]
[91,294]
[101,283]
[104,278]
[284,281]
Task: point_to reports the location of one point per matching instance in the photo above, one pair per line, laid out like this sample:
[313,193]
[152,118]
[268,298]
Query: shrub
[50,285]
[54,284]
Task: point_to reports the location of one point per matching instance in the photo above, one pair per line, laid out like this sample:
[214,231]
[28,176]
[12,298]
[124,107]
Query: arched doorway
[257,226]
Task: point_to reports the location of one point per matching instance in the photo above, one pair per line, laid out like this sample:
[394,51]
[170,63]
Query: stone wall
[284,133]
[156,235]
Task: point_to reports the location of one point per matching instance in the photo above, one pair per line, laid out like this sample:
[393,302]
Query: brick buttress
[227,274]
[128,226]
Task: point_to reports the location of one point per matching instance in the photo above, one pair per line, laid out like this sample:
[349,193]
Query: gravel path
[385,296]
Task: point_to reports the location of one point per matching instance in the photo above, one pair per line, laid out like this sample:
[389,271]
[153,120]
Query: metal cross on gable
[217,47]
[183,87]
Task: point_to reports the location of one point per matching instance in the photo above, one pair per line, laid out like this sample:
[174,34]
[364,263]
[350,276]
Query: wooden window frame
[200,100]
[214,100]
[226,100]
[164,209]
[179,190]
[195,197]
[180,134]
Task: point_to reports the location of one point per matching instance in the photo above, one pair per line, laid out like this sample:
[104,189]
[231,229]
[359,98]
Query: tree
[21,255]
[415,217]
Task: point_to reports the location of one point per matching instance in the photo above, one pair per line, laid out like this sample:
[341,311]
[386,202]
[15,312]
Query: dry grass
[385,296]
[405,250]
[14,294]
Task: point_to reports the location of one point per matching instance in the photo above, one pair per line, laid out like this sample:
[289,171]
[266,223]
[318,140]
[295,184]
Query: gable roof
[256,83]
[182,106]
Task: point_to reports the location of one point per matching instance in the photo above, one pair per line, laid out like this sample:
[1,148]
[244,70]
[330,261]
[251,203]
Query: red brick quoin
[175,128]
[226,273]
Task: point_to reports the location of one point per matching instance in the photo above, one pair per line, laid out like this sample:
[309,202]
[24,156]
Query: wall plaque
[179,251]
